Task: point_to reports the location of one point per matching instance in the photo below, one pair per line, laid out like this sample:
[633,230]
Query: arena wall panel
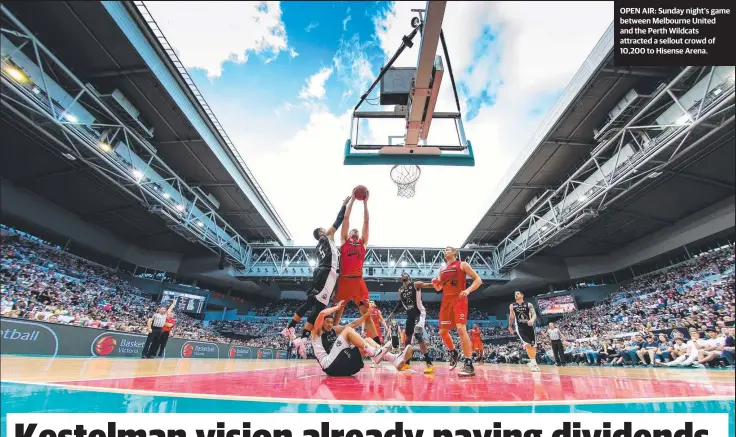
[29,337]
[702,224]
[31,208]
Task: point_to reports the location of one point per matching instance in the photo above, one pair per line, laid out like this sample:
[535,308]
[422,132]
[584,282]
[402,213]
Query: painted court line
[381,403]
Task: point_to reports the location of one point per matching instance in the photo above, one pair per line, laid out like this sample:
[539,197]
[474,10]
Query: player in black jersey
[337,348]
[522,316]
[410,298]
[395,333]
[323,281]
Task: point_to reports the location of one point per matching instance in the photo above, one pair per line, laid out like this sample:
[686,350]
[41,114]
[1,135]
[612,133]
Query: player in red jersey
[350,284]
[454,306]
[476,337]
[378,320]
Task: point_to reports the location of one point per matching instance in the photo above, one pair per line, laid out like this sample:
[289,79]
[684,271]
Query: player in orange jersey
[476,337]
[454,306]
[350,284]
[378,320]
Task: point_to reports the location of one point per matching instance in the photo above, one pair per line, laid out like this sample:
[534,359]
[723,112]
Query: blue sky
[283,78]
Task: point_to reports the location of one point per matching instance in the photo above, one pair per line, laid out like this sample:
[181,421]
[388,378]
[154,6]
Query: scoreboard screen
[560,304]
[186,302]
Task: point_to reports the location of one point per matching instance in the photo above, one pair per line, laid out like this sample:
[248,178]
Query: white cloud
[346,20]
[352,65]
[315,86]
[293,53]
[285,108]
[311,26]
[206,34]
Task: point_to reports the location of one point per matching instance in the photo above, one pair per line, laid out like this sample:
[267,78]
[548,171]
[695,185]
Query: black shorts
[527,334]
[319,279]
[348,363]
[411,321]
[395,341]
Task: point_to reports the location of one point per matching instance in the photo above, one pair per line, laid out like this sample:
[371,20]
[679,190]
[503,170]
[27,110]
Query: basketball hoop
[406,177]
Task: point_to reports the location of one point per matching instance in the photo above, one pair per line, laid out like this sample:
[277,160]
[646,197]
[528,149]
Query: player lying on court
[410,297]
[522,316]
[338,348]
[454,306]
[323,281]
[351,285]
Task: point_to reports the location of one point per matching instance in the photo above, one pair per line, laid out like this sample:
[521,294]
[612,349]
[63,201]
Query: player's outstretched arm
[170,311]
[317,327]
[435,284]
[346,223]
[477,282]
[340,217]
[355,323]
[365,220]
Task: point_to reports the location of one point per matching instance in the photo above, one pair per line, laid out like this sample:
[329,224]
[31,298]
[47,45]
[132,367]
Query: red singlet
[352,256]
[452,277]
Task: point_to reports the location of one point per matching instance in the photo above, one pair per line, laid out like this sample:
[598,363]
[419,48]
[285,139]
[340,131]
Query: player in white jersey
[323,282]
[338,348]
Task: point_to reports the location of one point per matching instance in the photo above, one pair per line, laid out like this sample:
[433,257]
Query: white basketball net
[406,177]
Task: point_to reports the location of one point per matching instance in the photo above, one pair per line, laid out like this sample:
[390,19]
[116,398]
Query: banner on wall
[24,337]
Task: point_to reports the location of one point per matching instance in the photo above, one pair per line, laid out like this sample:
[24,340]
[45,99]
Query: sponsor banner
[281,355]
[25,337]
[199,349]
[117,344]
[240,352]
[22,337]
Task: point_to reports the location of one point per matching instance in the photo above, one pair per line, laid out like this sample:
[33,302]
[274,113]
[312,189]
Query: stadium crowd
[45,283]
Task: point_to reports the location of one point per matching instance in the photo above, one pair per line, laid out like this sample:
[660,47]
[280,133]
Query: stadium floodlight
[682,120]
[16,74]
[105,147]
[167,196]
[392,263]
[582,198]
[403,263]
[200,224]
[312,263]
[180,208]
[137,175]
[71,118]
[36,90]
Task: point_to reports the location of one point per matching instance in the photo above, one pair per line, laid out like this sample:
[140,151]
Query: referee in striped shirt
[557,348]
[154,329]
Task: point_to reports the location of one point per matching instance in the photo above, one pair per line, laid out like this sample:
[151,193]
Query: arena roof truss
[46,99]
[381,263]
[674,122]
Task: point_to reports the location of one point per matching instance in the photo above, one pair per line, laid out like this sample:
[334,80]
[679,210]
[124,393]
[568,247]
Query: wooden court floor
[303,382]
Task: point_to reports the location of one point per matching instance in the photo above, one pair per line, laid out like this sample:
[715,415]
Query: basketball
[360,192]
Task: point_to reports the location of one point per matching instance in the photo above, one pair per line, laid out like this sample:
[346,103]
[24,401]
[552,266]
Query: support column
[632,271]
[224,310]
[687,252]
